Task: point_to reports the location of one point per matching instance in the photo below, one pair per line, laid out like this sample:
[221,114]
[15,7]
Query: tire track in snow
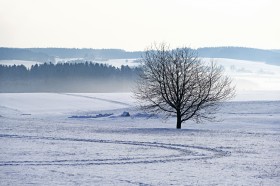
[95,98]
[186,153]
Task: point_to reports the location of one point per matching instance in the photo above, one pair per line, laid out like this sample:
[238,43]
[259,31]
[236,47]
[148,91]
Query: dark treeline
[49,54]
[23,54]
[65,70]
[67,77]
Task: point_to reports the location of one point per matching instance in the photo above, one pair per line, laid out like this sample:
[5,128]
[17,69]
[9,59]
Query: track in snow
[182,153]
[95,98]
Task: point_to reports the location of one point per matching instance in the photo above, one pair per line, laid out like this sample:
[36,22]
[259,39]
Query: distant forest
[49,54]
[66,77]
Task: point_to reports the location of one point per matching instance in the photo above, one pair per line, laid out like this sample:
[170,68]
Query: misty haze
[161,92]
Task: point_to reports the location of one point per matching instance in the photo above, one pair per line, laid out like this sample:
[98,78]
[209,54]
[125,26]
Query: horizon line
[79,48]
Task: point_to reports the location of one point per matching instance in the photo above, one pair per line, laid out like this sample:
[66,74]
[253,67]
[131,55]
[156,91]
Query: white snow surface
[119,62]
[250,75]
[42,145]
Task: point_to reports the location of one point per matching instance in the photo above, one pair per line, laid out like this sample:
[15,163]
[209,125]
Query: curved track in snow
[177,152]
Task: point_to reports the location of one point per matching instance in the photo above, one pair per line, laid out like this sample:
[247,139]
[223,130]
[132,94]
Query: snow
[42,145]
[65,60]
[260,95]
[57,103]
[119,62]
[250,75]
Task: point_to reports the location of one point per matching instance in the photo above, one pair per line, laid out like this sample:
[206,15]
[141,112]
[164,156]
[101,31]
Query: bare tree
[176,82]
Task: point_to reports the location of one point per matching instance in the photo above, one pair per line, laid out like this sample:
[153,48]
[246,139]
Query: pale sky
[135,24]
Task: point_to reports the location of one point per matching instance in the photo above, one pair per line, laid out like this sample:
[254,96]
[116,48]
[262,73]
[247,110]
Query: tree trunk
[179,122]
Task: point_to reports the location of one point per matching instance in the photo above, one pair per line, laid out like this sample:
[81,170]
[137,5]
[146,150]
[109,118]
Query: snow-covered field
[83,139]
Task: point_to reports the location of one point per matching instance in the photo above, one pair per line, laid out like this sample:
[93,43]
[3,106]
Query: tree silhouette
[177,82]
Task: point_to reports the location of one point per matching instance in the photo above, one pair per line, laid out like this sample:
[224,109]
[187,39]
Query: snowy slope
[42,145]
[249,75]
[56,103]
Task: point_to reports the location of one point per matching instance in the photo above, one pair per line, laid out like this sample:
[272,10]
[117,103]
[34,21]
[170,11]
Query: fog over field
[254,80]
